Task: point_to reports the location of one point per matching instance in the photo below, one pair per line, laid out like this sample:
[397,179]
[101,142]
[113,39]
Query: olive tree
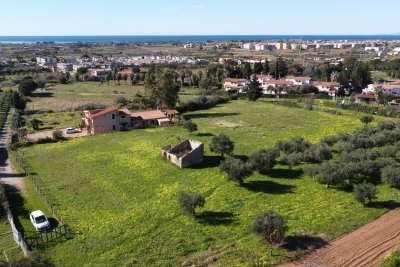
[189,125]
[364,192]
[236,169]
[189,201]
[271,226]
[221,144]
[263,160]
[391,175]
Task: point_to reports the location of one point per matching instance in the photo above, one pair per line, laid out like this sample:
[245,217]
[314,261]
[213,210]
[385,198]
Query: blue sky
[198,17]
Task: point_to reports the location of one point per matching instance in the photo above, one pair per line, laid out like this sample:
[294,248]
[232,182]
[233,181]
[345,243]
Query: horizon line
[344,34]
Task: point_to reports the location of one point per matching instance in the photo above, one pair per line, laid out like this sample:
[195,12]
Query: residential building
[299,80]
[112,119]
[235,84]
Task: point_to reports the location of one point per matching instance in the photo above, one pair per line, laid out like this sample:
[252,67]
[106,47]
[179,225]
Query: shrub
[189,125]
[58,135]
[391,260]
[189,201]
[271,226]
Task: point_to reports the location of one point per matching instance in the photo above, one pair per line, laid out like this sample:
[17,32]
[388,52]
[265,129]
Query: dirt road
[8,176]
[365,246]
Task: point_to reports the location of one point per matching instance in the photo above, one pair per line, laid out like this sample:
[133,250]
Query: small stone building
[187,153]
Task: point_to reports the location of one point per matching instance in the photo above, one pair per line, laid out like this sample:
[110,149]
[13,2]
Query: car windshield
[40,219]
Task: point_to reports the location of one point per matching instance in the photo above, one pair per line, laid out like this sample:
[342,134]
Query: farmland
[120,197]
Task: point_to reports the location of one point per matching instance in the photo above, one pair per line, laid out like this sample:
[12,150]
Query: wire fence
[18,159]
[18,236]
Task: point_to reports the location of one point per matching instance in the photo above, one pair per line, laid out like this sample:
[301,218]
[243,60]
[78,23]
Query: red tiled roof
[327,84]
[149,115]
[234,80]
[171,112]
[299,78]
[362,96]
[104,111]
[279,82]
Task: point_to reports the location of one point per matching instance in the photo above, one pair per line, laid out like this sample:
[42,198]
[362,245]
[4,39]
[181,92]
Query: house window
[113,116]
[122,117]
[113,127]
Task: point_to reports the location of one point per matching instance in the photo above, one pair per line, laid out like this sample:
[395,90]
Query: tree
[271,226]
[281,68]
[62,79]
[57,135]
[364,192]
[328,173]
[246,70]
[266,67]
[35,123]
[367,119]
[221,144]
[19,101]
[108,78]
[263,160]
[125,77]
[76,75]
[236,169]
[190,126]
[189,201]
[391,175]
[26,87]
[258,68]
[119,78]
[255,91]
[166,88]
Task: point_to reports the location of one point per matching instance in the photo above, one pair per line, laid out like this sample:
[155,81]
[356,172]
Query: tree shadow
[16,203]
[241,157]
[42,94]
[205,134]
[54,223]
[303,242]
[208,115]
[208,162]
[285,173]
[387,204]
[215,217]
[11,175]
[268,187]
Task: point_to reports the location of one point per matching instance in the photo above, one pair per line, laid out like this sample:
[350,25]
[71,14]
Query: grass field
[120,197]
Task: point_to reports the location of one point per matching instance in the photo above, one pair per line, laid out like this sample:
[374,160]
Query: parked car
[39,220]
[71,130]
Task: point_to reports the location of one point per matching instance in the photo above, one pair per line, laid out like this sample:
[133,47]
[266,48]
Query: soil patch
[365,246]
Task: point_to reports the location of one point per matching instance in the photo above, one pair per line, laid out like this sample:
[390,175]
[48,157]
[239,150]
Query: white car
[39,220]
[72,130]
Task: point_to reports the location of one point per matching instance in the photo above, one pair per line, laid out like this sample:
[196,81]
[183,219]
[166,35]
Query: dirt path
[8,176]
[365,246]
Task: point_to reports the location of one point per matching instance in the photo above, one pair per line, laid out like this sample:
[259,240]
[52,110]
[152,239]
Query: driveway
[43,134]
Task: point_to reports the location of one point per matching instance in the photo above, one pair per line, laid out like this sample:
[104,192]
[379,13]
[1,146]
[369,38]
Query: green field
[120,197]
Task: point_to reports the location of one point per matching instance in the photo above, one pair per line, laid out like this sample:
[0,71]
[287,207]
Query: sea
[188,38]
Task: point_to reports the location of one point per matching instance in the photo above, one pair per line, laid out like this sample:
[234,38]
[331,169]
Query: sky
[199,17]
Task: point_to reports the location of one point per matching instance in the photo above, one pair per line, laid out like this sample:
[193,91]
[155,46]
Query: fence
[18,237]
[41,238]
[36,185]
